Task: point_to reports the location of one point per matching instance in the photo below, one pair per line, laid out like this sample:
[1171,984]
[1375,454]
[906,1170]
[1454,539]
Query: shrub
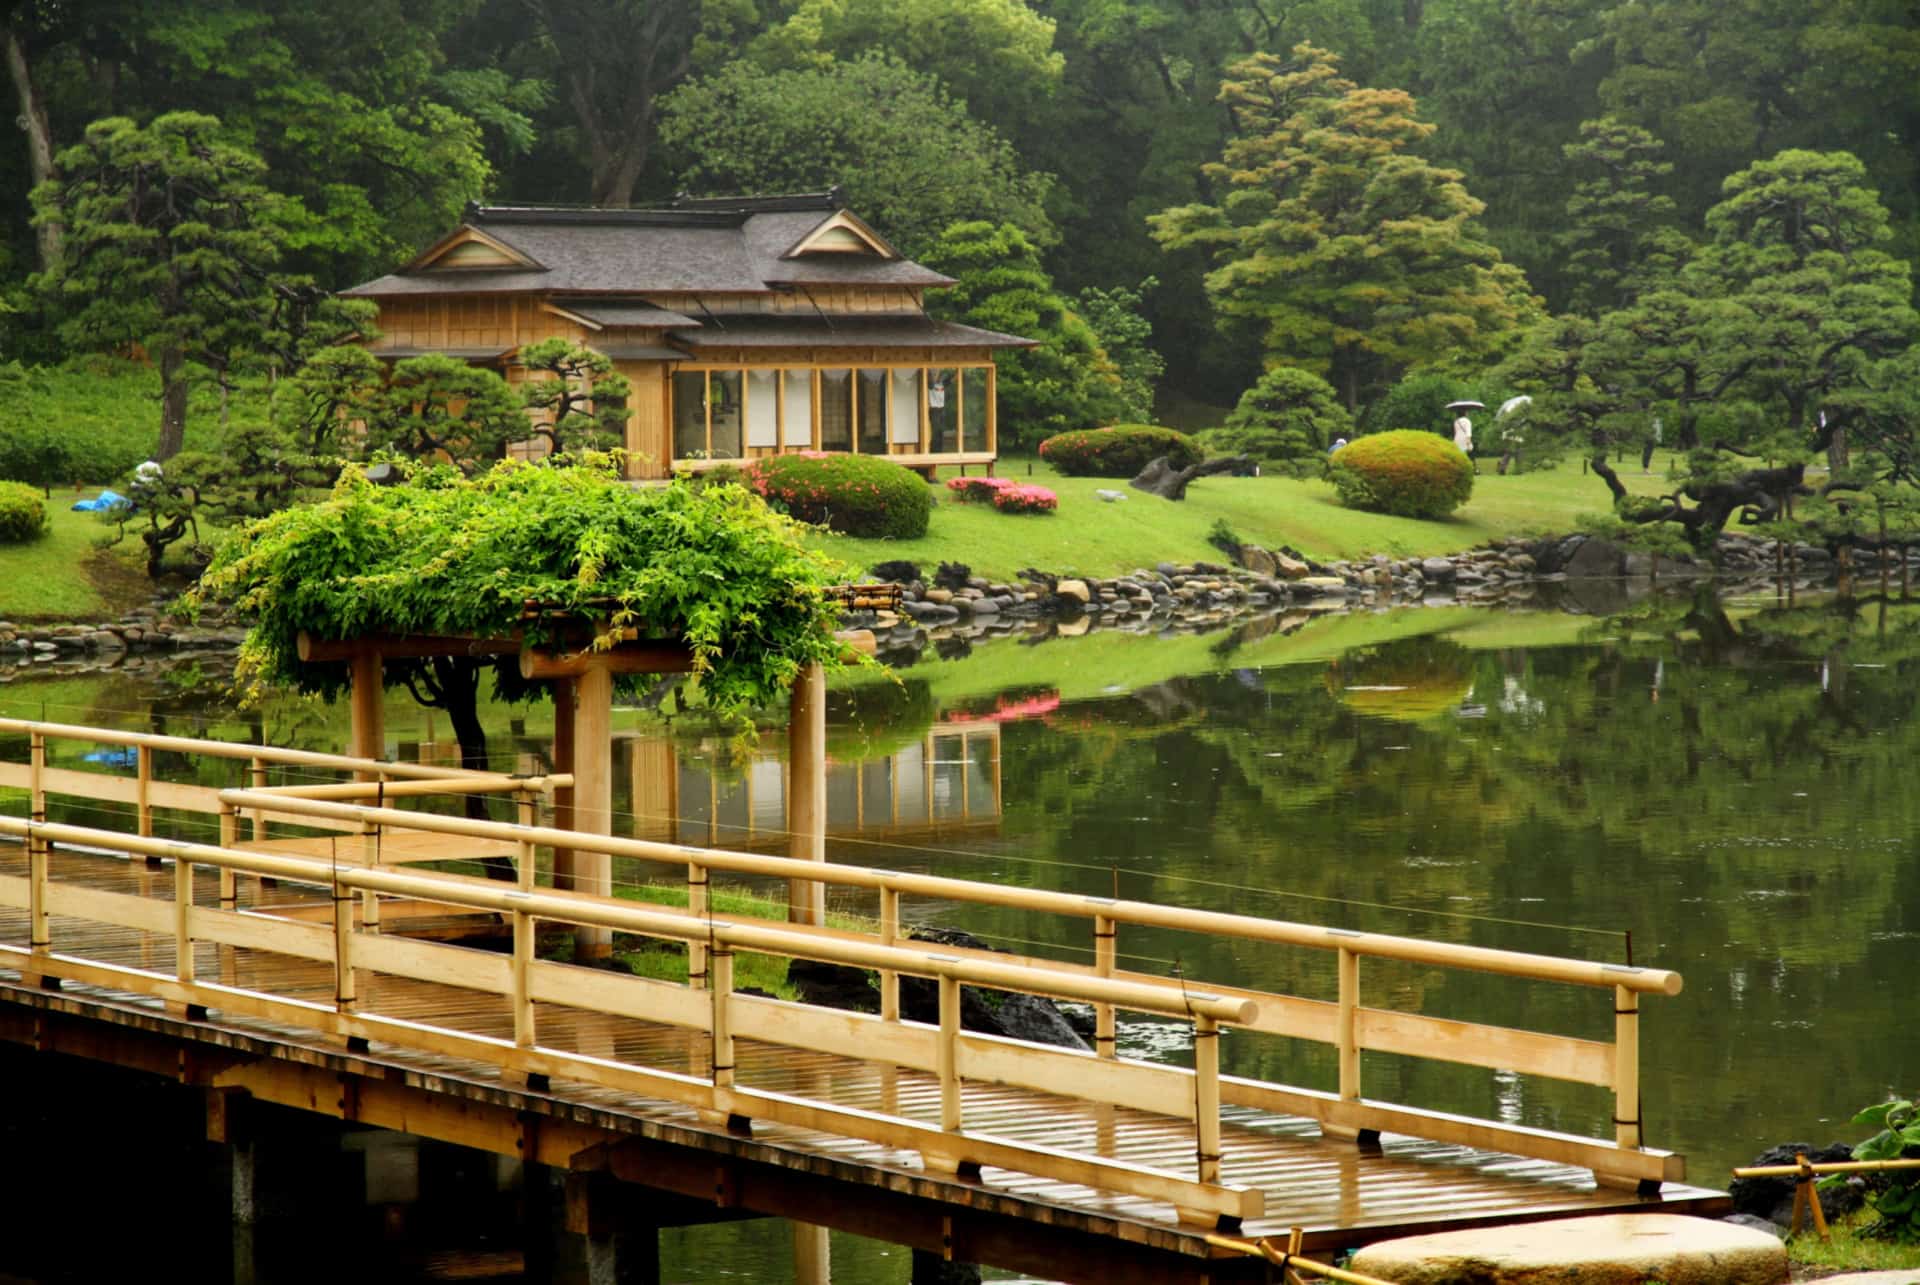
[22,516]
[1120,451]
[1287,419]
[1020,498]
[1420,401]
[1407,472]
[1004,494]
[853,494]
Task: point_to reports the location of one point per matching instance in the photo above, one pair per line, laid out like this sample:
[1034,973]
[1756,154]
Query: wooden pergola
[581,682]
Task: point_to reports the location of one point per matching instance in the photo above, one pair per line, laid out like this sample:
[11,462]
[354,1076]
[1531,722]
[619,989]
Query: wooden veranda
[294,960]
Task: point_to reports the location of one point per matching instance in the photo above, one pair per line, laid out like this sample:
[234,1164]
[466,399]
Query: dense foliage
[22,514]
[853,494]
[1404,472]
[1067,381]
[1288,419]
[1896,1197]
[1120,451]
[444,554]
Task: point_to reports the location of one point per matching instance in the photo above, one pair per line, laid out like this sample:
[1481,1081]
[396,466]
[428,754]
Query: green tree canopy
[578,400]
[171,243]
[1065,383]
[911,159]
[1349,253]
[1614,212]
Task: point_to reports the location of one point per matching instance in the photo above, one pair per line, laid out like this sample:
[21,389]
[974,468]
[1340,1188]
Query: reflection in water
[1731,784]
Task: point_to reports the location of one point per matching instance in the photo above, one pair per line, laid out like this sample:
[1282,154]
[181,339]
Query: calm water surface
[1725,789]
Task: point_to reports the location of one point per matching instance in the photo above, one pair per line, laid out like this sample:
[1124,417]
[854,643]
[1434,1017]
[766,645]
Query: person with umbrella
[1463,429]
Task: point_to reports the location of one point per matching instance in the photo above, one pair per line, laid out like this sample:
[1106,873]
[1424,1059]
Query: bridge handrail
[1511,963]
[949,1146]
[228,749]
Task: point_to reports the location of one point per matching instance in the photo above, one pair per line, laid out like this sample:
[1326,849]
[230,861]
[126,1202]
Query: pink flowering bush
[1004,494]
[1025,499]
[855,494]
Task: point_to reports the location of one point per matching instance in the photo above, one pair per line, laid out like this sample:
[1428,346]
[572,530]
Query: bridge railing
[1350,1027]
[353,954]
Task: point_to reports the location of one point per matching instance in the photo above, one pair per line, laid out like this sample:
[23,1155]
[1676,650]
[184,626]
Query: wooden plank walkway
[1339,1193]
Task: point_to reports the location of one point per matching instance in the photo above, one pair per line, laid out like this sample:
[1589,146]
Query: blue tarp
[105,500]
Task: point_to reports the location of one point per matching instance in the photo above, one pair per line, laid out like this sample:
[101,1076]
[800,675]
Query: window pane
[690,414]
[949,770]
[873,412]
[763,424]
[980,793]
[973,432]
[876,787]
[723,388]
[836,410]
[910,769]
[797,388]
[904,388]
[943,408]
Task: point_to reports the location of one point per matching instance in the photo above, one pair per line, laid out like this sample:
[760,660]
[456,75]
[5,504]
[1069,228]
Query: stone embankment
[145,631]
[1591,575]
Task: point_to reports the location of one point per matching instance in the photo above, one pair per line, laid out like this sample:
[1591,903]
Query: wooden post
[593,800]
[1105,943]
[889,936]
[722,990]
[1626,1067]
[368,707]
[807,793]
[562,689]
[345,987]
[1349,1026]
[1206,1092]
[697,879]
[229,837]
[523,940]
[39,854]
[182,936]
[993,411]
[949,1061]
[143,792]
[527,858]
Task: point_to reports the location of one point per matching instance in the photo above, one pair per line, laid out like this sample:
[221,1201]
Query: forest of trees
[1532,191]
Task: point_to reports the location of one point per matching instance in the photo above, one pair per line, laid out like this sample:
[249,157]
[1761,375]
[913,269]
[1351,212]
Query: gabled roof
[730,245]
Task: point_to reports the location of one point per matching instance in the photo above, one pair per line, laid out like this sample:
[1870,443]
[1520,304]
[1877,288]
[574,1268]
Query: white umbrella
[1513,405]
[1466,405]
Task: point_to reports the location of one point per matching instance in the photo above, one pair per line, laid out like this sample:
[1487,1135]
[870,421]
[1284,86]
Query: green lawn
[1090,537]
[64,575]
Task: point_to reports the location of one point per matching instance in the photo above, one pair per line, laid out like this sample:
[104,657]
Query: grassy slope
[65,576]
[1090,537]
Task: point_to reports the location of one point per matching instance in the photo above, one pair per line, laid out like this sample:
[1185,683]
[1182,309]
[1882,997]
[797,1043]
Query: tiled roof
[727,245]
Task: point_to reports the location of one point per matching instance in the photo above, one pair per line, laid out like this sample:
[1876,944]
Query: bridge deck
[1339,1193]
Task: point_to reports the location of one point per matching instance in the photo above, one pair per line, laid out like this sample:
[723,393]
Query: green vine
[445,555]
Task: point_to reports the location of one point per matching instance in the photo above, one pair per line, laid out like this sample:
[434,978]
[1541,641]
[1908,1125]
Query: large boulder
[1607,1249]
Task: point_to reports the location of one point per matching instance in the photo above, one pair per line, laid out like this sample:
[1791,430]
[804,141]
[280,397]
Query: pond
[1724,788]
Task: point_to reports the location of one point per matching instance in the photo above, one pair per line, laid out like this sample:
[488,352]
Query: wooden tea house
[748,326]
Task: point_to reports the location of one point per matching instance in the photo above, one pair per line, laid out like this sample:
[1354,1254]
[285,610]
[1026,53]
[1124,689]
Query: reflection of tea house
[749,326]
[948,780]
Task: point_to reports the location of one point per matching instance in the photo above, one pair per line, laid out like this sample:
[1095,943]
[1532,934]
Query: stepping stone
[1608,1249]
[1909,1277]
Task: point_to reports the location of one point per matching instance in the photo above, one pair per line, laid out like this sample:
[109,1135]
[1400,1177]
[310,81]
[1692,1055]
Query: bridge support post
[605,1248]
[807,793]
[930,1268]
[812,1257]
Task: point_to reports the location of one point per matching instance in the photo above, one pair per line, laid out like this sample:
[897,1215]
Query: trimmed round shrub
[854,494]
[1405,472]
[1120,451]
[22,516]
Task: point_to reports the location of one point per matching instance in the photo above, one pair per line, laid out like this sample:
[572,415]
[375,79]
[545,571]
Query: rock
[105,640]
[1320,585]
[1258,560]
[1610,1249]
[1757,1224]
[834,985]
[1289,568]
[1074,589]
[1772,1198]
[1596,557]
[1027,1017]
[938,595]
[1438,570]
[930,612]
[1109,497]
[1073,628]
[899,571]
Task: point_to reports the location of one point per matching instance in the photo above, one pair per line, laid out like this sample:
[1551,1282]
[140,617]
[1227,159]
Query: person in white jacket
[1463,438]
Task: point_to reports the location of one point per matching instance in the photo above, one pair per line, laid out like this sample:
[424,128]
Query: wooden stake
[1206,1088]
[1105,943]
[948,1063]
[368,706]
[593,799]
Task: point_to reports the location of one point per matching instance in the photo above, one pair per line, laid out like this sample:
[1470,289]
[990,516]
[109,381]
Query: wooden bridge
[308,957]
